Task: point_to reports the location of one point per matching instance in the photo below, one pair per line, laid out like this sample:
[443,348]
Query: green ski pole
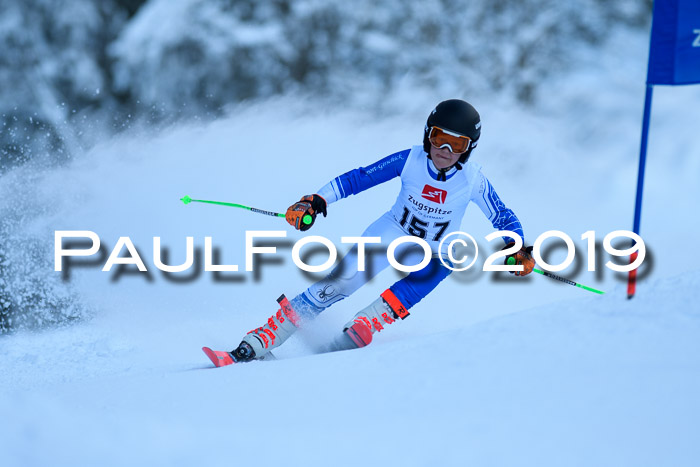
[187,200]
[511,262]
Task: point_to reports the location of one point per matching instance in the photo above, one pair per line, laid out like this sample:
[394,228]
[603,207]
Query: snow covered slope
[600,381]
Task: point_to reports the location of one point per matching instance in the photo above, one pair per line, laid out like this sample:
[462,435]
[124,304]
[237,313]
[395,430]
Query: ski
[356,336]
[359,334]
[222,358]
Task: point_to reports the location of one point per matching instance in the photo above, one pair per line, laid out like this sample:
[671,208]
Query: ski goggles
[456,143]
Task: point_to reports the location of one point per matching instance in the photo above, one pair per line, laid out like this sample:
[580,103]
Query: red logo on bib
[433,194]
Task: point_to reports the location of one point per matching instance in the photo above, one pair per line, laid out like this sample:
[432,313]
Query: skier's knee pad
[324,294]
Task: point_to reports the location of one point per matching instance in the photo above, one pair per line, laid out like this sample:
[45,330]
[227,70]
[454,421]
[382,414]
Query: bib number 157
[419,228]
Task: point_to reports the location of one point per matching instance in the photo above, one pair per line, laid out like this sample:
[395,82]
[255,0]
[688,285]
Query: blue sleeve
[501,217]
[359,180]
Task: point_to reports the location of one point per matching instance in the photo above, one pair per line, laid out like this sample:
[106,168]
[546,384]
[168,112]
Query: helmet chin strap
[442,177]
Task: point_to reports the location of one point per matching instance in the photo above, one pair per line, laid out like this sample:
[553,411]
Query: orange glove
[309,205]
[522,258]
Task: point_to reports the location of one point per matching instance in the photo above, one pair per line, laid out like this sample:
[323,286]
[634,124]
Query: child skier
[437,183]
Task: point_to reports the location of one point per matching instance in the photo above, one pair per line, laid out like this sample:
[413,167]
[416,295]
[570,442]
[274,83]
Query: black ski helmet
[458,116]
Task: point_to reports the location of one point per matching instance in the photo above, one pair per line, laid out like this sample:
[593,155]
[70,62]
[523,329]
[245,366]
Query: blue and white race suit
[425,208]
